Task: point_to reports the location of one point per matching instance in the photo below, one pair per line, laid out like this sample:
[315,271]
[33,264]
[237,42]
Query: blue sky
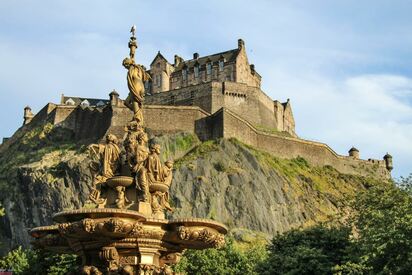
[345,65]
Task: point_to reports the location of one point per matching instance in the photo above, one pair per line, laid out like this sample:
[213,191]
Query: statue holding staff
[136,76]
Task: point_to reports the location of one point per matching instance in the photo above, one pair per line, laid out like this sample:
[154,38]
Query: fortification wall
[198,95]
[244,100]
[86,123]
[250,102]
[288,147]
[159,119]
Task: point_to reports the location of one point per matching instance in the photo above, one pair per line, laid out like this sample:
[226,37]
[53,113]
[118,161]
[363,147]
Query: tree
[39,262]
[383,221]
[1,211]
[315,250]
[227,260]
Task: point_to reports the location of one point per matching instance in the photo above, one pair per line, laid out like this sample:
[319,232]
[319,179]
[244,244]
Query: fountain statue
[123,229]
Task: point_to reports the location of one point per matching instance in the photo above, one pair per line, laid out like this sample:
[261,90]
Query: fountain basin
[119,181]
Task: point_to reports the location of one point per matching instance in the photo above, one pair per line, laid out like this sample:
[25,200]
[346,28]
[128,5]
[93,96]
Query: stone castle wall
[96,123]
[315,153]
[247,101]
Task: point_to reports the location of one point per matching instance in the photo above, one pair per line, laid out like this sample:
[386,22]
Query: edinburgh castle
[214,96]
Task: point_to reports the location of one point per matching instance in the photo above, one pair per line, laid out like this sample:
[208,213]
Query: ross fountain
[122,229]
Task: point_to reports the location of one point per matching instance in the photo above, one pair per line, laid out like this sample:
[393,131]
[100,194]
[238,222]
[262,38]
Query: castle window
[192,94]
[209,68]
[146,85]
[196,71]
[100,103]
[158,80]
[172,100]
[70,102]
[158,65]
[221,65]
[85,103]
[184,74]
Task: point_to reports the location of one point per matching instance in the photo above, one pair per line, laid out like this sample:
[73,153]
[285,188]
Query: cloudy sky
[345,65]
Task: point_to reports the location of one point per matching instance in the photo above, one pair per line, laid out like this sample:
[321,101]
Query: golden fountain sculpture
[123,229]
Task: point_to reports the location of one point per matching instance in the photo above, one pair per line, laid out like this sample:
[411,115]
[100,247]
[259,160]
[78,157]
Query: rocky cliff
[44,171]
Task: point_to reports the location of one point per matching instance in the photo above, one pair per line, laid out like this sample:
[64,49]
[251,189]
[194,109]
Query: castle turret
[178,60]
[114,98]
[240,44]
[353,152]
[388,161]
[28,115]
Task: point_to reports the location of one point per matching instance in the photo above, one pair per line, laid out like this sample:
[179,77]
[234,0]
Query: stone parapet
[316,153]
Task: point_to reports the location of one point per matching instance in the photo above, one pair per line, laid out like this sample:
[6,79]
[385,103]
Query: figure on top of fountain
[136,76]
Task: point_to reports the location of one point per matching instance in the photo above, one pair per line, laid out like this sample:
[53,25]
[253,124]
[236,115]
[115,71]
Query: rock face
[223,180]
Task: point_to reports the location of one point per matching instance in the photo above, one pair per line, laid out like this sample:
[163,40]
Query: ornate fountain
[122,228]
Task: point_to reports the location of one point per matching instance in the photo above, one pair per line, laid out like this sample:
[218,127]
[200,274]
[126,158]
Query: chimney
[252,68]
[28,115]
[240,44]
[195,56]
[114,98]
[178,60]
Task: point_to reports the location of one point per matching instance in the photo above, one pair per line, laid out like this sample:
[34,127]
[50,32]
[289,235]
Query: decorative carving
[127,270]
[171,258]
[147,269]
[111,257]
[204,235]
[137,229]
[89,225]
[90,270]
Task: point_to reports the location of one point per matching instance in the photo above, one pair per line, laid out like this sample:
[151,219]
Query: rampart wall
[246,101]
[315,153]
[95,123]
[159,119]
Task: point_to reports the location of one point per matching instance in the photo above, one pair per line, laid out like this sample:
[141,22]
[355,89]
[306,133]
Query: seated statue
[157,173]
[105,165]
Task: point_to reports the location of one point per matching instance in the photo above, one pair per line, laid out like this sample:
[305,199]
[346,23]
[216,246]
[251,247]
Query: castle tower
[353,152]
[114,98]
[388,161]
[28,115]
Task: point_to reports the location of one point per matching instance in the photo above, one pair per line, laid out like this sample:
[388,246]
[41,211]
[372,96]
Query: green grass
[182,142]
[32,147]
[197,152]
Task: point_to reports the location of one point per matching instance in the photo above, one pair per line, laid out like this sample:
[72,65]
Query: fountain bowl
[119,181]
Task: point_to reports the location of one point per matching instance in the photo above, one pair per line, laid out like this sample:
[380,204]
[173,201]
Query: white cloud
[370,112]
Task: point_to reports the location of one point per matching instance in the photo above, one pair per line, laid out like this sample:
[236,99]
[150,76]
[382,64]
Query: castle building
[215,81]
[215,96]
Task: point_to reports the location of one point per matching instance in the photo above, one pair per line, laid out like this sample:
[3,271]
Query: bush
[315,250]
[226,260]
[39,262]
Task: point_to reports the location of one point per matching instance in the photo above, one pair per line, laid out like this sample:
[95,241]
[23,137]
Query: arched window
[209,68]
[196,71]
[221,65]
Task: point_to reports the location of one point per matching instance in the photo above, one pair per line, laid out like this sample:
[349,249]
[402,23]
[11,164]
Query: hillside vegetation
[46,171]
